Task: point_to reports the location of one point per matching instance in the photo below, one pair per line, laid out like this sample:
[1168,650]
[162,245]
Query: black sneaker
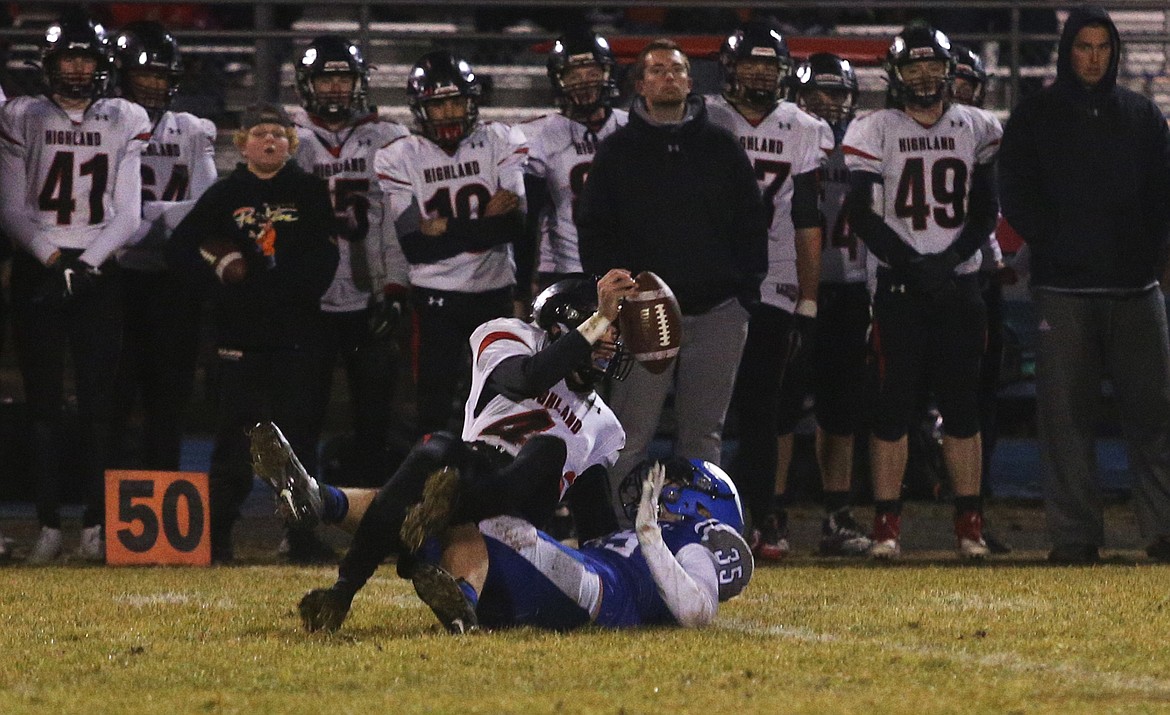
[441,592]
[770,541]
[1159,550]
[1074,555]
[324,609]
[298,497]
[842,536]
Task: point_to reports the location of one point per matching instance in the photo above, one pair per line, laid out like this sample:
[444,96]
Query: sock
[469,592]
[335,504]
[970,503]
[836,501]
[891,506]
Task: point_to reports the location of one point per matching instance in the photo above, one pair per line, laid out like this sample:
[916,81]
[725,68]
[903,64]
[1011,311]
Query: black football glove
[325,608]
[798,347]
[383,314]
[934,273]
[71,279]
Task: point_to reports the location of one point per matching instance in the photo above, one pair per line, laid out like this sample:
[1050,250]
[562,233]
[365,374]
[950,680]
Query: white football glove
[647,520]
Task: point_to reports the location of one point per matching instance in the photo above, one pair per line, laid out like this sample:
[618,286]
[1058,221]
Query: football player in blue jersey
[684,556]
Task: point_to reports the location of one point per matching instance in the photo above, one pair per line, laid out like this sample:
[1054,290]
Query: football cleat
[91,547]
[324,609]
[298,497]
[433,514]
[47,548]
[842,536]
[887,530]
[770,541]
[969,536]
[446,598]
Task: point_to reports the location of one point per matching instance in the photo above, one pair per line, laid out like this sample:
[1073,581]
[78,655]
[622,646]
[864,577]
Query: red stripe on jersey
[387,177]
[857,152]
[143,137]
[5,137]
[405,136]
[493,337]
[523,150]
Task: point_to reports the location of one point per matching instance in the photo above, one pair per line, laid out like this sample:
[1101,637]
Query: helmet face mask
[149,65]
[970,84]
[581,70]
[756,65]
[562,307]
[919,67]
[434,82]
[826,86]
[695,490]
[75,58]
[332,79]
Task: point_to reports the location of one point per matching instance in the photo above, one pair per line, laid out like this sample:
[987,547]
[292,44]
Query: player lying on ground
[527,379]
[684,557]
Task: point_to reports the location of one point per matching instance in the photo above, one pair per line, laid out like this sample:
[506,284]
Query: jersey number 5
[57,193]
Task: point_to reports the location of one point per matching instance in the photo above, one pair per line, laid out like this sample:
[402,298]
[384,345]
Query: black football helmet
[919,43]
[836,101]
[581,100]
[147,47]
[436,76]
[969,66]
[333,55]
[76,34]
[756,40]
[562,307]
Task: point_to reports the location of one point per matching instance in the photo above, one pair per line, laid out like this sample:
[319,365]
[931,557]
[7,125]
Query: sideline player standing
[339,134]
[826,86]
[456,195]
[923,199]
[581,69]
[787,147]
[71,198]
[162,329]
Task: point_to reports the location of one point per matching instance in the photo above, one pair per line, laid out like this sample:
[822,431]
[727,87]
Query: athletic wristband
[806,307]
[594,327]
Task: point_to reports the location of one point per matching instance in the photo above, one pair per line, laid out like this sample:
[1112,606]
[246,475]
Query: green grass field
[924,636]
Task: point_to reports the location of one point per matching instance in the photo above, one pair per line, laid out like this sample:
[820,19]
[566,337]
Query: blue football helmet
[695,489]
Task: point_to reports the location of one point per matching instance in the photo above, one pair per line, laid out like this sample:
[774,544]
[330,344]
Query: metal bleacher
[242,65]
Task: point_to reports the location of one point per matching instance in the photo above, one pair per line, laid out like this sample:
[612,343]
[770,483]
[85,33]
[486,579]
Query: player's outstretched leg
[433,514]
[451,604]
[298,497]
[324,609]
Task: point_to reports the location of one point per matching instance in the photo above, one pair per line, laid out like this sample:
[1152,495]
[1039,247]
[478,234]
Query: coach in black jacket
[279,218]
[1085,180]
[673,194]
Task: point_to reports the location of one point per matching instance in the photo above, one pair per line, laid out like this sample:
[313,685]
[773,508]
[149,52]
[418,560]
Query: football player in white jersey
[535,427]
[456,195]
[581,70]
[923,199]
[787,147]
[71,199]
[360,313]
[162,328]
[826,86]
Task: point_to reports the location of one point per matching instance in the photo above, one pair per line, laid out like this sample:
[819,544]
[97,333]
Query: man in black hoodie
[674,194]
[280,221]
[1084,174]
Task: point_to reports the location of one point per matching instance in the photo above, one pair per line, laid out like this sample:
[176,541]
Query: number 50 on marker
[157,518]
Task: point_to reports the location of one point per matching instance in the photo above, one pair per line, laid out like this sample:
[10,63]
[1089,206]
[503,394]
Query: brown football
[225,259]
[650,323]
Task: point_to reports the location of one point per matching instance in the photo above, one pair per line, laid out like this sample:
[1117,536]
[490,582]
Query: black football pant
[254,386]
[88,331]
[371,370]
[159,352]
[446,321]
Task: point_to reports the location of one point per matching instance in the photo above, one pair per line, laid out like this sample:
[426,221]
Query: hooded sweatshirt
[678,199]
[1085,177]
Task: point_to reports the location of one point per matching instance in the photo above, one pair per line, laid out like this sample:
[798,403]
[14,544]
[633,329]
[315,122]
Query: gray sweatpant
[703,378]
[1082,339]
